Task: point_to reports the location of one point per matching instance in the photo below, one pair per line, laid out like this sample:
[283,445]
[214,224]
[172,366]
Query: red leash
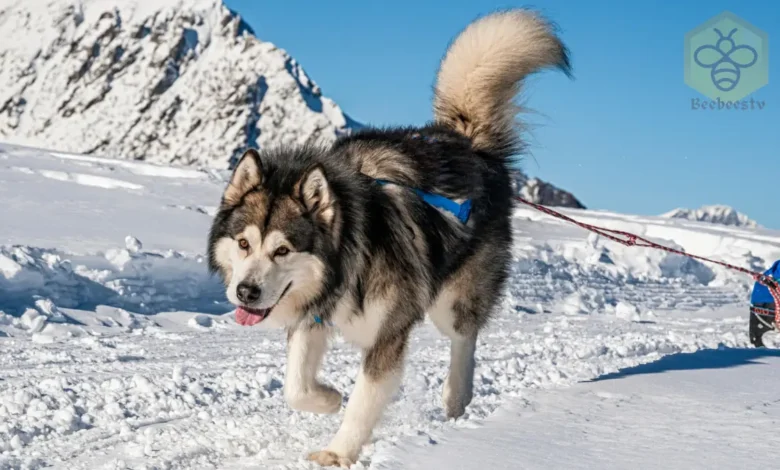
[629,239]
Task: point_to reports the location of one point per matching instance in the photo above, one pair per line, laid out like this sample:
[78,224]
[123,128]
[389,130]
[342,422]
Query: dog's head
[275,231]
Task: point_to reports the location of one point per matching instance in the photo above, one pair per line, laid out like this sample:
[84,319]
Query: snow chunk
[33,321]
[53,314]
[41,338]
[627,311]
[201,322]
[133,244]
[573,304]
[8,267]
[119,257]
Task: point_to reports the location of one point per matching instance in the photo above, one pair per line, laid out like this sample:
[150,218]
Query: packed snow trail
[117,350]
[707,409]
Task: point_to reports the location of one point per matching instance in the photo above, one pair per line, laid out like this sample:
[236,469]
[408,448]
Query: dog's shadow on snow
[722,358]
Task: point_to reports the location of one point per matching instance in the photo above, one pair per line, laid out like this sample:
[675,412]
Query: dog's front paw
[323,399]
[327,458]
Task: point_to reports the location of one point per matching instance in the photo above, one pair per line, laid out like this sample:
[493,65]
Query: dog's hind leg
[462,308]
[459,383]
[305,350]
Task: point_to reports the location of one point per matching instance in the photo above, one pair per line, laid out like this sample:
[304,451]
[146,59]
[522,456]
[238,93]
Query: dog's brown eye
[281,251]
[243,244]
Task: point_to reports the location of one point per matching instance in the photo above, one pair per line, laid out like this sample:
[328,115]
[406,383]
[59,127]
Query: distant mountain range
[716,214]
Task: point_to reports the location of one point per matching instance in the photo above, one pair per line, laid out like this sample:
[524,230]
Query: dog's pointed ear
[317,196]
[247,175]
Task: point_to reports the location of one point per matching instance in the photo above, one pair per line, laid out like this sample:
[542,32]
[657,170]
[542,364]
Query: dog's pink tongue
[245,318]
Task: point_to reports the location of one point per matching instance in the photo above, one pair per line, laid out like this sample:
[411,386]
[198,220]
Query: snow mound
[183,81]
[715,214]
[132,279]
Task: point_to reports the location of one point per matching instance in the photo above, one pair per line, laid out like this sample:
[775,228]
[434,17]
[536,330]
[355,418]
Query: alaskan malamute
[367,235]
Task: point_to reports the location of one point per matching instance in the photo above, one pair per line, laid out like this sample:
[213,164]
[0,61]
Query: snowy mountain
[167,81]
[175,81]
[715,214]
[541,192]
[119,351]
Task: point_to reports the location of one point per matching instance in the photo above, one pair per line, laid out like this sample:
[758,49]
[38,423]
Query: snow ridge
[167,81]
[715,214]
[141,281]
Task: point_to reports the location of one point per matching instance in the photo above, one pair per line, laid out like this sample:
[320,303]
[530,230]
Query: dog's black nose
[247,293]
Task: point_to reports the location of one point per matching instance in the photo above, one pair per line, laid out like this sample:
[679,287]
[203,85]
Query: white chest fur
[359,328]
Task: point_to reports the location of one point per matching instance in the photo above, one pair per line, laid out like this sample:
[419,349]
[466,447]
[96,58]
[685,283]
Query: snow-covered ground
[715,408]
[117,350]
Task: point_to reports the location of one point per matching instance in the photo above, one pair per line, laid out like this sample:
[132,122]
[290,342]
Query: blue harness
[461,211]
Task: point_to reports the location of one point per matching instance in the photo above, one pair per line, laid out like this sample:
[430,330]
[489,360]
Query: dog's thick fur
[307,232]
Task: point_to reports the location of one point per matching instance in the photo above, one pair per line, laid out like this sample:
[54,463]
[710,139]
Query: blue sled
[762,308]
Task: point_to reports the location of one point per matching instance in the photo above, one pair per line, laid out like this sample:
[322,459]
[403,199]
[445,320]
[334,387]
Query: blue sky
[621,136]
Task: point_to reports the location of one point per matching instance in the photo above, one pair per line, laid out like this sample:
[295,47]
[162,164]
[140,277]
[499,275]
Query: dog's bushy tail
[483,70]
